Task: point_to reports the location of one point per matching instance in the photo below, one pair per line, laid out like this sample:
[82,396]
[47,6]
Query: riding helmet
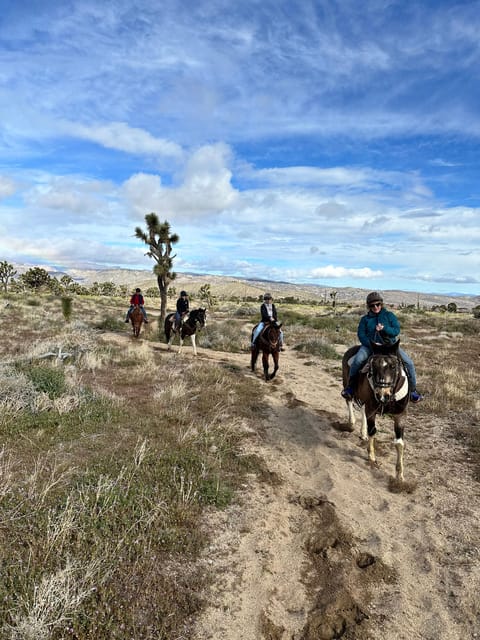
[183,293]
[267,296]
[374,296]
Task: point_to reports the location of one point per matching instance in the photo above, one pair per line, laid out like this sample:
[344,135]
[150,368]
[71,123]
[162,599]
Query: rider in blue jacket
[380,326]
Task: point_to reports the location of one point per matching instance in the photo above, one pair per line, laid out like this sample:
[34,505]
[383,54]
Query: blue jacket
[388,335]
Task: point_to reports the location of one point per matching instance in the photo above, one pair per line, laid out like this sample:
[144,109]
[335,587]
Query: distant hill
[243,287]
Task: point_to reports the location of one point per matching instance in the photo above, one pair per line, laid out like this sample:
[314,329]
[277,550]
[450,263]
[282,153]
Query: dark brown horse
[268,342]
[136,318]
[382,388]
[196,319]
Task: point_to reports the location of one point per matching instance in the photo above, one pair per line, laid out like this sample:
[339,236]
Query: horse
[382,388]
[196,319]
[136,318]
[268,342]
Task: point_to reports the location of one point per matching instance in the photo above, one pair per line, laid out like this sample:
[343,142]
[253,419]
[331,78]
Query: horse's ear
[385,349]
[279,326]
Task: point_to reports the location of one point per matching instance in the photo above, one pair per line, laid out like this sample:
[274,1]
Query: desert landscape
[178,497]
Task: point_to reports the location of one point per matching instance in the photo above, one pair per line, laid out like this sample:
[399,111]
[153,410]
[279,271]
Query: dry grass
[110,454]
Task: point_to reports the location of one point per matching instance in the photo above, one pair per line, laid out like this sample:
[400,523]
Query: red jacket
[137,298]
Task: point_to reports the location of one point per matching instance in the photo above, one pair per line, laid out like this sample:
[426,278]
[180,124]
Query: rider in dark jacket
[183,308]
[269,314]
[380,326]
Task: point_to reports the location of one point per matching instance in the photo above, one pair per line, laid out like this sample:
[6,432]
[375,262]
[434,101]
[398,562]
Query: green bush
[318,347]
[47,380]
[110,324]
[67,308]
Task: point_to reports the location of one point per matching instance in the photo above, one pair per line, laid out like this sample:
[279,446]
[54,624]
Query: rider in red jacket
[137,300]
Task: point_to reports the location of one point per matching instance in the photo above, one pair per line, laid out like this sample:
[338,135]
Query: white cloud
[203,187]
[7,187]
[122,137]
[331,271]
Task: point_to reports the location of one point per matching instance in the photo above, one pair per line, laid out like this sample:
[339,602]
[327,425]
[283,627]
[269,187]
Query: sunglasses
[375,305]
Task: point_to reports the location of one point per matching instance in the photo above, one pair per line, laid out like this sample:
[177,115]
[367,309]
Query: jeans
[364,353]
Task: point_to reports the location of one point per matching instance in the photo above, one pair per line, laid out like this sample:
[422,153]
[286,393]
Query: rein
[193,321]
[271,344]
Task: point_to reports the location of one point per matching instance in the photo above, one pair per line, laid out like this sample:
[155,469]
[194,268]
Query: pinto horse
[382,388]
[268,342]
[136,318]
[196,319]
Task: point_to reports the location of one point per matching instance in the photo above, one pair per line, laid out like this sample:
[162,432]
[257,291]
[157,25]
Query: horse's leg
[170,336]
[253,360]
[192,337]
[372,430]
[364,427]
[265,364]
[399,445]
[181,343]
[351,415]
[275,365]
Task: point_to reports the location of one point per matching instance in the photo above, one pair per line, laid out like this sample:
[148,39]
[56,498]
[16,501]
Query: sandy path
[288,559]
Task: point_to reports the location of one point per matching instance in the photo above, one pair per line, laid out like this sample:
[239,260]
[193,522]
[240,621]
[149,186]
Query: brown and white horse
[268,342]
[196,319]
[382,388]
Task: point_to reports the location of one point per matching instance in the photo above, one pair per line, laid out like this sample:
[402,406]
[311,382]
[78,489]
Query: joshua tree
[36,278]
[160,240]
[7,272]
[206,295]
[333,296]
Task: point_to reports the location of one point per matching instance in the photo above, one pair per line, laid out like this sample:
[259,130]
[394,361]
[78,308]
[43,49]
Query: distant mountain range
[254,287]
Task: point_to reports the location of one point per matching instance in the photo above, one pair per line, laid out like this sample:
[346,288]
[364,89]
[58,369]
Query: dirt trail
[325,549]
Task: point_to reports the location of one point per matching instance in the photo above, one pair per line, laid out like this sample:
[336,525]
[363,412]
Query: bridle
[198,318]
[266,336]
[378,383]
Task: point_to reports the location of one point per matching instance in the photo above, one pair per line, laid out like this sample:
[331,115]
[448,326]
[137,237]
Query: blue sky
[322,142]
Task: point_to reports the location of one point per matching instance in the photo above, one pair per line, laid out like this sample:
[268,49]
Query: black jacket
[264,312]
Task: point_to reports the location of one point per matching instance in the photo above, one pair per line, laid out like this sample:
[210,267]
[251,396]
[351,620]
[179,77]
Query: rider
[382,327]
[137,299]
[269,314]
[182,308]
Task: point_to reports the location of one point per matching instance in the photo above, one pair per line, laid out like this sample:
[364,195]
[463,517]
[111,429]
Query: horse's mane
[386,348]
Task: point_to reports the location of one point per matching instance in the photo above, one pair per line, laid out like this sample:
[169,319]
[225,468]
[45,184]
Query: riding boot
[349,390]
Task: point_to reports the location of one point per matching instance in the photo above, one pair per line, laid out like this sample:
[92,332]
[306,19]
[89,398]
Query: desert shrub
[110,324]
[46,379]
[227,336]
[67,308]
[245,312]
[318,347]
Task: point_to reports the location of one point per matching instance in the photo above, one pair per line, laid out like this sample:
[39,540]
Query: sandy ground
[324,548]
